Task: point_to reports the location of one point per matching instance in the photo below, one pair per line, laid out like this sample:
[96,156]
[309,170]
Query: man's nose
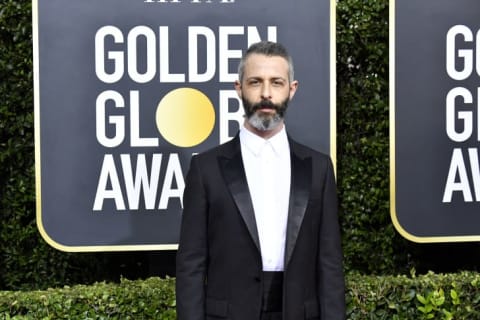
[266,92]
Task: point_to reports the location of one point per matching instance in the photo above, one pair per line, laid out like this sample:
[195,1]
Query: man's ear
[293,88]
[238,88]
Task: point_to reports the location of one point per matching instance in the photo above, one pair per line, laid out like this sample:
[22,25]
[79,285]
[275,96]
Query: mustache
[264,104]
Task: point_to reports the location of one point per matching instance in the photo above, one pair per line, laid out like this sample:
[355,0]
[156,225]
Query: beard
[261,120]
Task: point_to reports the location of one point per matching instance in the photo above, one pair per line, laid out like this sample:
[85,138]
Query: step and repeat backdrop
[126,91]
[435,115]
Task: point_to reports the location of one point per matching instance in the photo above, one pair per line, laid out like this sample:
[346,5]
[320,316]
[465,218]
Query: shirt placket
[269,203]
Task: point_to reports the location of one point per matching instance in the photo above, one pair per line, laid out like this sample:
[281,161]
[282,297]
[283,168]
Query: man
[260,236]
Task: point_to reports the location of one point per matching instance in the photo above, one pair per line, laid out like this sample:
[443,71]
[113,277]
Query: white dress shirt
[267,167]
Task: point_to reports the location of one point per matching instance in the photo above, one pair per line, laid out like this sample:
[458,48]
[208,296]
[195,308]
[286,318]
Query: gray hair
[268,48]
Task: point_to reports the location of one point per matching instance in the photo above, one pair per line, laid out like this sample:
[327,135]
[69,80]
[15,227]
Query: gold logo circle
[185,117]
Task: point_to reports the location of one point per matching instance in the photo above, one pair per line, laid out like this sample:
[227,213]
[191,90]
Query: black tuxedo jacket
[219,265]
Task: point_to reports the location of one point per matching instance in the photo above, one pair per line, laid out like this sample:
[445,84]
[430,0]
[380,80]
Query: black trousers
[271,316]
[272,295]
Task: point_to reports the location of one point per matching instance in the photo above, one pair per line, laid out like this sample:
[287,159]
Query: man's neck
[265,134]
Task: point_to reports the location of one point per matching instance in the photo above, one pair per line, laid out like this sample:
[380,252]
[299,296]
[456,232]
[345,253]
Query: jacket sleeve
[192,252]
[331,284]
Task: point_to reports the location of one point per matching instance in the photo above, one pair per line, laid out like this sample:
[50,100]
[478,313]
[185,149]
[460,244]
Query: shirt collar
[255,144]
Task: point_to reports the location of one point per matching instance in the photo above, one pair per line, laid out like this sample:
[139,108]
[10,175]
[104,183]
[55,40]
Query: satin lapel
[234,174]
[299,195]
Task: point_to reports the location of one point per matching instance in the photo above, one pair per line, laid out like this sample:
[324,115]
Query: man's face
[265,91]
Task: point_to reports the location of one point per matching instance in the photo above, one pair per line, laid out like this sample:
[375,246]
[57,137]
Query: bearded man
[260,238]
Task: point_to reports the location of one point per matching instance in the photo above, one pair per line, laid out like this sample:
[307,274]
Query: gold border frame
[393,212]
[333,84]
[112,248]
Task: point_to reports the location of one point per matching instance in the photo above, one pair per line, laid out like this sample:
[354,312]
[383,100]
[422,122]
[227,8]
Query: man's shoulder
[321,162]
[222,149]
[305,151]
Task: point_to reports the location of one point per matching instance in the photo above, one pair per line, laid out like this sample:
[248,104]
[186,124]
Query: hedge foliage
[432,296]
[363,139]
[19,243]
[153,298]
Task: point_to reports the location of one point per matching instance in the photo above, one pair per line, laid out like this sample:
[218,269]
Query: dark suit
[219,266]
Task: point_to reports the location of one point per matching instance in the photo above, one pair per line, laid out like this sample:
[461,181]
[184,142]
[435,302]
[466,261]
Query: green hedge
[363,139]
[25,258]
[153,298]
[432,296]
